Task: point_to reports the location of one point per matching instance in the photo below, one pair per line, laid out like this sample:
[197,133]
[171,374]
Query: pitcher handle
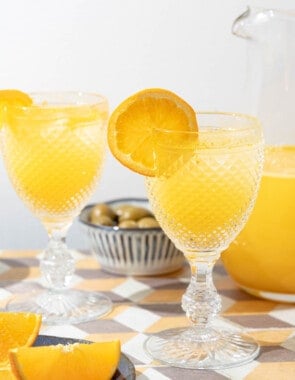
[239,25]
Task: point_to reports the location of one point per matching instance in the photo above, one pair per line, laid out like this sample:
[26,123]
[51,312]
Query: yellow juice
[54,157]
[202,199]
[262,258]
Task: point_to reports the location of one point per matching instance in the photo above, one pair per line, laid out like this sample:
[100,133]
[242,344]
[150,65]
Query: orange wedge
[63,362]
[6,374]
[17,330]
[132,122]
[14,97]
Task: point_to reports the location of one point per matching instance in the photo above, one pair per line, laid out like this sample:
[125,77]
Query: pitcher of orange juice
[262,258]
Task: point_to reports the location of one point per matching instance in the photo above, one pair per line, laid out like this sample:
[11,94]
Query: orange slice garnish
[10,98]
[63,362]
[15,98]
[17,330]
[132,123]
[6,374]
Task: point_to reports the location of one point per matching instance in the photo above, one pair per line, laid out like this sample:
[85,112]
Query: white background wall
[117,47]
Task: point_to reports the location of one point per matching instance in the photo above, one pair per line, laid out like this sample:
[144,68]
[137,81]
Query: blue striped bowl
[139,252]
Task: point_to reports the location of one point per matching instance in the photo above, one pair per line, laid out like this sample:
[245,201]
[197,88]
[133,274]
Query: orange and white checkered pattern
[144,305]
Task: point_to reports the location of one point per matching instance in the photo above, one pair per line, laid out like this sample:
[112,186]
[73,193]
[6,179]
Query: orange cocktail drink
[204,186]
[54,156]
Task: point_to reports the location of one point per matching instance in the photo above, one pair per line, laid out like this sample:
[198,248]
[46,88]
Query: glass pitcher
[262,258]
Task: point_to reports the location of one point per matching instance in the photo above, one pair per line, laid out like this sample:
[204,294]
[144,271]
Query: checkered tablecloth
[143,305]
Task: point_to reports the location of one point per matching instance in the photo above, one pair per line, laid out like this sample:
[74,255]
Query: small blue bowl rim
[116,228]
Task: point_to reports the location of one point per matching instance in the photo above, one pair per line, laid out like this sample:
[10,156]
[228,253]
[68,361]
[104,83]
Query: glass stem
[201,302]
[57,264]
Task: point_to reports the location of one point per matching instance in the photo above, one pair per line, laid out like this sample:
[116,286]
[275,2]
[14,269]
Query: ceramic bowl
[132,251]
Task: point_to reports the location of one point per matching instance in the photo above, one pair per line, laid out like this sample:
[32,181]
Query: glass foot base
[211,349]
[71,306]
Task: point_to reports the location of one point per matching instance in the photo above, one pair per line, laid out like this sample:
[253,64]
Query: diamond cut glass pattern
[61,162]
[205,203]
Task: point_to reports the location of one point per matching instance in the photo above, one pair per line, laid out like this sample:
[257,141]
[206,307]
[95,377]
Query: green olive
[134,213]
[120,209]
[128,224]
[148,222]
[101,209]
[102,220]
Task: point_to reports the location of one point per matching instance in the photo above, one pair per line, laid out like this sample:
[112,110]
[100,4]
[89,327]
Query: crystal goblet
[204,189]
[54,151]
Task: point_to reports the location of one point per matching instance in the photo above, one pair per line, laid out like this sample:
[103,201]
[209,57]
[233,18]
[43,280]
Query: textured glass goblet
[203,191]
[54,152]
